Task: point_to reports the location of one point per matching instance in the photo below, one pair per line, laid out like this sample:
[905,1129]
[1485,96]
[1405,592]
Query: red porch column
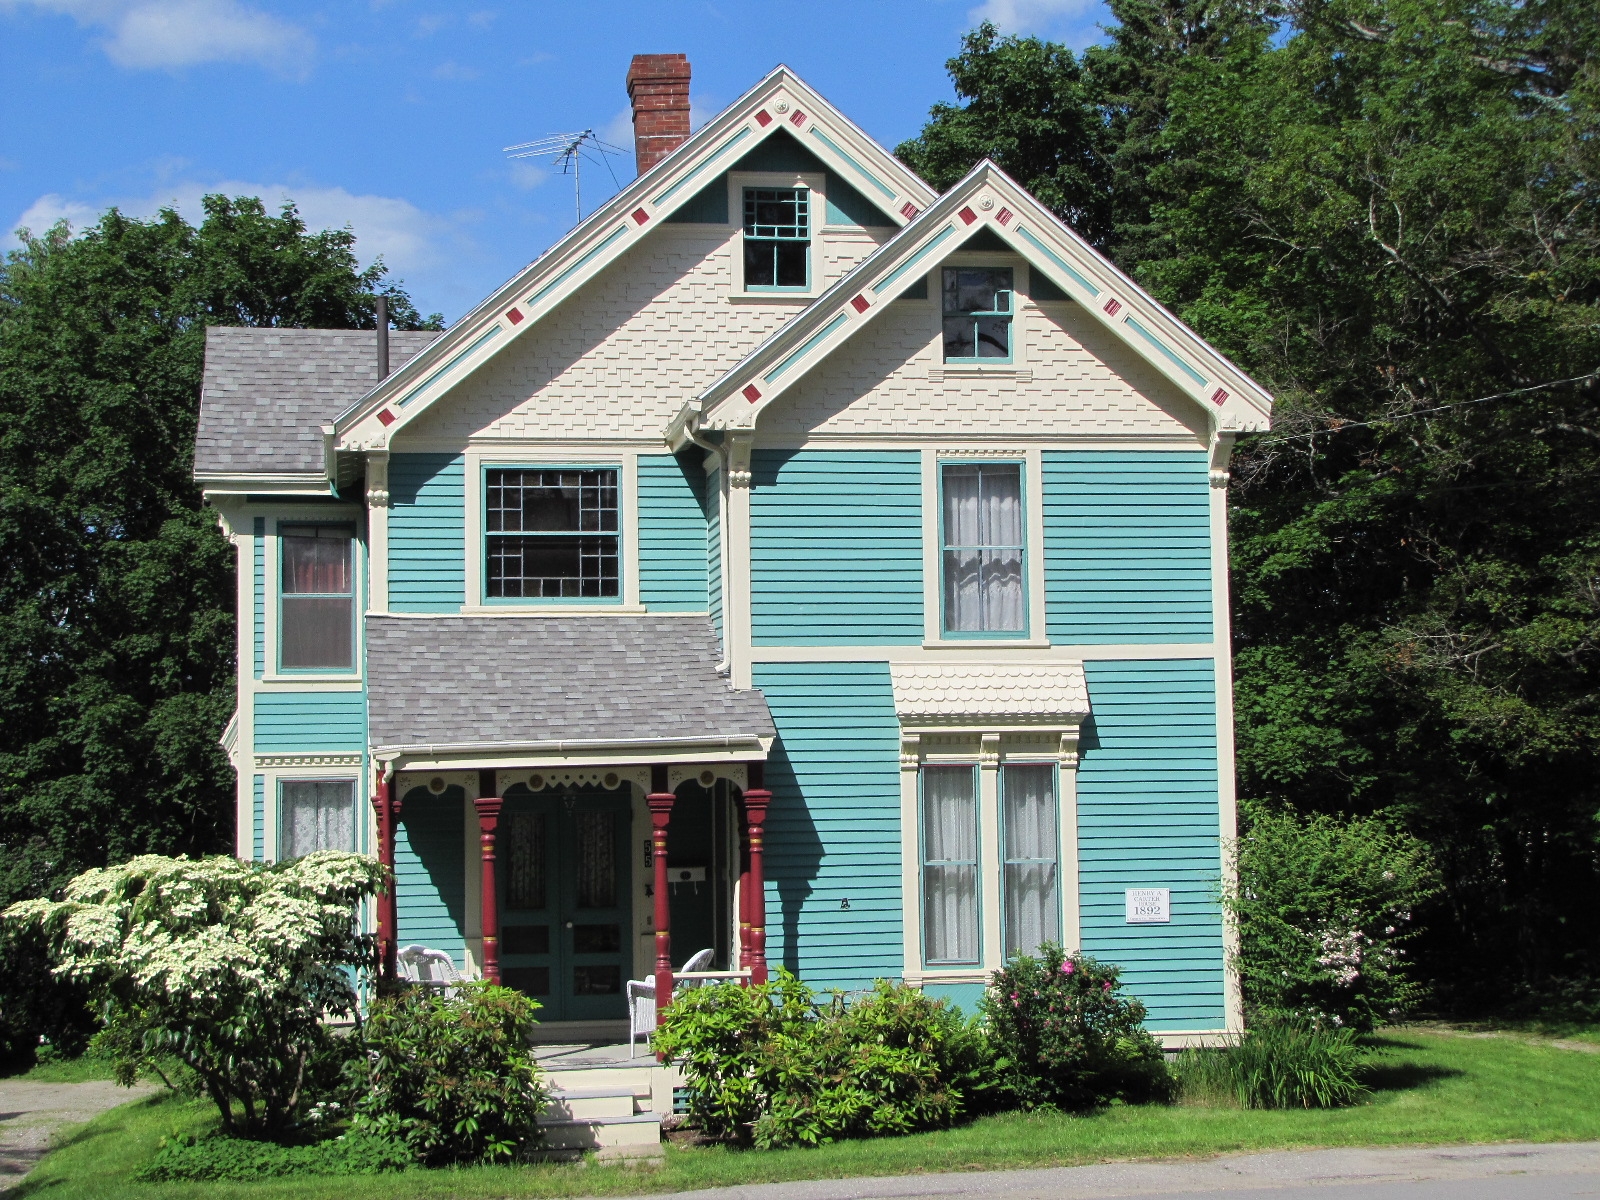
[756,800]
[387,802]
[488,822]
[661,801]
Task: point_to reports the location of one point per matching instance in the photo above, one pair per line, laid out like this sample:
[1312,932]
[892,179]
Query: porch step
[635,1136]
[589,1103]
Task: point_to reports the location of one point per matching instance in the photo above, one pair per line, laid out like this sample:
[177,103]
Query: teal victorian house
[792,567]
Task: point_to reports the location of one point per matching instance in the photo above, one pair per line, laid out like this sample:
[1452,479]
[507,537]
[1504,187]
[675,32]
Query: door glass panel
[596,939]
[524,858]
[525,939]
[597,859]
[596,981]
[534,981]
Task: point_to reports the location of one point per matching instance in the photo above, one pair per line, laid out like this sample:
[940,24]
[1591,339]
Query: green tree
[1388,213]
[116,606]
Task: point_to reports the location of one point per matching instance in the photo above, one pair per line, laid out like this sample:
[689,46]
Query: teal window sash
[980,548]
[972,321]
[615,535]
[1030,853]
[950,869]
[777,239]
[281,593]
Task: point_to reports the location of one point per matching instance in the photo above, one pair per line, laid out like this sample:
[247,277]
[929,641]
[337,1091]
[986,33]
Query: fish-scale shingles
[472,680]
[266,393]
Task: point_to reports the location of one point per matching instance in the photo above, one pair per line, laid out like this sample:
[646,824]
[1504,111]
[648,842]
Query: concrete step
[585,1103]
[635,1136]
[636,1080]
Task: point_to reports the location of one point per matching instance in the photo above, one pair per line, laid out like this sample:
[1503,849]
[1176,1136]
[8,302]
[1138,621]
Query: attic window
[977,314]
[777,239]
[550,534]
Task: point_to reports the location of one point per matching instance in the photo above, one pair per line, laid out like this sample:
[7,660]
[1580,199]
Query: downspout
[691,431]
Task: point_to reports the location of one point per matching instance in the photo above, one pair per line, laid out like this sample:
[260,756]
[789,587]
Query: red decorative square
[908,210]
[1004,216]
[797,118]
[1219,397]
[752,393]
[967,215]
[640,215]
[860,303]
[1112,305]
[763,118]
[387,417]
[514,315]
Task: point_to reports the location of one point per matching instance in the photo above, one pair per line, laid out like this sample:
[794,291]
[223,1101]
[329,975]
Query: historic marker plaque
[1149,906]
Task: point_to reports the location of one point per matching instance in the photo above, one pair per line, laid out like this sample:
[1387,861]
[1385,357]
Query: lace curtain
[1029,822]
[950,864]
[983,548]
[316,814]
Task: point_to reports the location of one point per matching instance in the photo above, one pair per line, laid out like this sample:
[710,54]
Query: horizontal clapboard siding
[714,554]
[1148,818]
[258,592]
[430,872]
[833,832]
[291,721]
[427,532]
[836,548]
[672,535]
[1127,543]
[258,820]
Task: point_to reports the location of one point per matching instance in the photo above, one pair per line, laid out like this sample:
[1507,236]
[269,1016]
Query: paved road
[1504,1172]
[30,1113]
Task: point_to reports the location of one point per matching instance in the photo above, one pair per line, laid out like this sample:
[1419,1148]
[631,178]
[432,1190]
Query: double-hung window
[777,239]
[950,865]
[316,814]
[316,626]
[977,314]
[981,548]
[551,534]
[954,861]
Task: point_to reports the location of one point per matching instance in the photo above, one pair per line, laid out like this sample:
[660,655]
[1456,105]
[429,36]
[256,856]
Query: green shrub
[452,1078]
[771,1059]
[1063,1036]
[226,1158]
[1277,1066]
[1323,907]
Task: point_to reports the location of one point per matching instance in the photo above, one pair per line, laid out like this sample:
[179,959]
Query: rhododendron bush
[227,966]
[1065,1036]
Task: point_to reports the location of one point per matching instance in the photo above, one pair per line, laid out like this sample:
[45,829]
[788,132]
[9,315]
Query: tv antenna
[567,151]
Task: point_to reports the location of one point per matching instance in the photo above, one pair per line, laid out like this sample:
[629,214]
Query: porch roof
[489,686]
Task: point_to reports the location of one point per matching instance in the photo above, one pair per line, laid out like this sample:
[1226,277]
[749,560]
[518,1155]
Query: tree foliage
[229,967]
[116,600]
[1386,211]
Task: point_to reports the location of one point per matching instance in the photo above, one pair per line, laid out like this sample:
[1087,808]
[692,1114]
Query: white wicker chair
[428,968]
[642,1000]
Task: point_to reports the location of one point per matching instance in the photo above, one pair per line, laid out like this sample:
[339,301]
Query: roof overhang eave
[749,747]
[265,483]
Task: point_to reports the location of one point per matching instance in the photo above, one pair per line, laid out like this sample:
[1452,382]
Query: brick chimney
[658,88]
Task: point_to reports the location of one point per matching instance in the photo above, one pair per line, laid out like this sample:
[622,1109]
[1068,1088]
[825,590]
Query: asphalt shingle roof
[476,680]
[267,392]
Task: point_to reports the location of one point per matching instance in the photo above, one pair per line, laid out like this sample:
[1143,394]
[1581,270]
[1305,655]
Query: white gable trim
[986,198]
[780,101]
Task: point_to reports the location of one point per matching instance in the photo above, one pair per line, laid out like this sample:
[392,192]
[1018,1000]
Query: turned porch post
[660,802]
[756,800]
[744,889]
[387,804]
[488,822]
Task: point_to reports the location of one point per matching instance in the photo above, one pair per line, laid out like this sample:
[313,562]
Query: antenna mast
[567,151]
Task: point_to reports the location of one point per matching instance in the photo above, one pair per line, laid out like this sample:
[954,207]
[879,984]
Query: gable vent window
[977,314]
[551,535]
[317,605]
[777,239]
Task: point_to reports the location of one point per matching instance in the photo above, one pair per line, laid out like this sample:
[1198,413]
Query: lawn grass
[1429,1087]
[84,1069]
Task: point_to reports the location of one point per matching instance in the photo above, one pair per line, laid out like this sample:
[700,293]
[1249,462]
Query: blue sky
[391,115]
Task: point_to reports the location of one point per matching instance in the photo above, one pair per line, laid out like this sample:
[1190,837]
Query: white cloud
[1031,16]
[455,72]
[527,176]
[181,33]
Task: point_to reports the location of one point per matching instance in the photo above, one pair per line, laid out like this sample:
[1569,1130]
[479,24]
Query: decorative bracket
[739,460]
[706,774]
[378,479]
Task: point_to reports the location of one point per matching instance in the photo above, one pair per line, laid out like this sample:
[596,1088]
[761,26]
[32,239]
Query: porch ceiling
[450,686]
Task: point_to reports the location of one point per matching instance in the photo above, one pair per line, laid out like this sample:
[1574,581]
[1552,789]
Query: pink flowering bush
[1064,1036]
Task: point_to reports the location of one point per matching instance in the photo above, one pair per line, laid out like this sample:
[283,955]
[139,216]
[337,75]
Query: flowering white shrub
[228,966]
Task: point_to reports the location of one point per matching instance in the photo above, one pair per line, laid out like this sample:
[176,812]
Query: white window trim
[990,748]
[1032,460]
[273,779]
[817,186]
[627,464]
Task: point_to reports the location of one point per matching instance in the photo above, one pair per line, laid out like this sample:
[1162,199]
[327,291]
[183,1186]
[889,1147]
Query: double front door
[564,900]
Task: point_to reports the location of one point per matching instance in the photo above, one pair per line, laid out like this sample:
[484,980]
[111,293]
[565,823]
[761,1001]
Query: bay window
[316,814]
[316,615]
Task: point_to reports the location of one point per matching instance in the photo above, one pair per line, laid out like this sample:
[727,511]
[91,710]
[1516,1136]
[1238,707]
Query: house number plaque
[1148,906]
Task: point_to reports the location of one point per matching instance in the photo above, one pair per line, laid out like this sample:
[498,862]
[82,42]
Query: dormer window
[550,534]
[777,239]
[977,314]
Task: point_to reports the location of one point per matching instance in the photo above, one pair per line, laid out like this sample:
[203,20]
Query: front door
[564,900]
